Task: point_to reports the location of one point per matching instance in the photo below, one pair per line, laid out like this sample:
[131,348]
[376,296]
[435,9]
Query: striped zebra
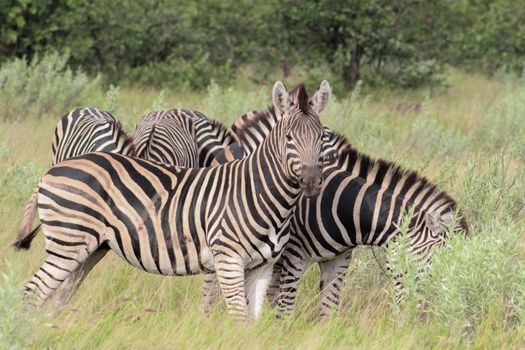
[362,202]
[85,130]
[167,137]
[231,219]
[181,137]
[78,132]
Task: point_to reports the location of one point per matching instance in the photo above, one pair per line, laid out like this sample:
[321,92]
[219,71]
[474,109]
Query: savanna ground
[469,139]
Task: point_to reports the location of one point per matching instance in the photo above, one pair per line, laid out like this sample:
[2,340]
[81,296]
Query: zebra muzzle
[310,180]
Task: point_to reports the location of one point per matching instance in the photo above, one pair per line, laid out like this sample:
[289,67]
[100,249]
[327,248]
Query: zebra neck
[275,190]
[371,212]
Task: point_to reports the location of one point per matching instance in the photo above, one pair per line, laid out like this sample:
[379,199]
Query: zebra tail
[26,232]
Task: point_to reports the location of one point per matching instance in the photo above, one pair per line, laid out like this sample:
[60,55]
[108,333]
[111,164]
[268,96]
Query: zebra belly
[172,256]
[167,270]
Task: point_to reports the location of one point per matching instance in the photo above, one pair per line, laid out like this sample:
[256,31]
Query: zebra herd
[251,207]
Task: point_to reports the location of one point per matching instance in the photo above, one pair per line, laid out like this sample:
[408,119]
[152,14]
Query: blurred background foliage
[400,43]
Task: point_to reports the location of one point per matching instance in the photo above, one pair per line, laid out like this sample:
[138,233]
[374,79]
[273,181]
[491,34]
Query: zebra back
[85,130]
[192,133]
[167,137]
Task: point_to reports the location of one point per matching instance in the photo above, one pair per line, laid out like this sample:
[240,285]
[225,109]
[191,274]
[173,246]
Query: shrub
[45,86]
[14,323]
[473,281]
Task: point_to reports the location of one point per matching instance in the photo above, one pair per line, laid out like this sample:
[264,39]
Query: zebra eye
[288,137]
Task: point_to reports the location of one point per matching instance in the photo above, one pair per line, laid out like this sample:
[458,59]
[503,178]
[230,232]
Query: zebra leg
[423,260]
[71,284]
[211,292]
[66,251]
[273,289]
[333,273]
[230,274]
[257,282]
[293,269]
[397,284]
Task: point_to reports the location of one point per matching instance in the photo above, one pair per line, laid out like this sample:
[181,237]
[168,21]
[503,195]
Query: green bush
[15,324]
[44,86]
[478,280]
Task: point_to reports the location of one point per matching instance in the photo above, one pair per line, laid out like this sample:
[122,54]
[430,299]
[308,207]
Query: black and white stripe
[362,202]
[231,218]
[85,130]
[167,137]
[180,137]
[81,131]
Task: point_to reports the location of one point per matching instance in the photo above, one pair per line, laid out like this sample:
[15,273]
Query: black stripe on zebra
[181,137]
[85,130]
[230,218]
[362,201]
[167,137]
[80,131]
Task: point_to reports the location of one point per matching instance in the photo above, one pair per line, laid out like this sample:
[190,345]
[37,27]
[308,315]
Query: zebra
[362,202]
[180,137]
[231,219]
[81,131]
[85,130]
[168,138]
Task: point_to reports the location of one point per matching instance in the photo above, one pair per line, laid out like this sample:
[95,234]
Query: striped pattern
[362,202]
[85,130]
[231,219]
[212,137]
[181,137]
[81,131]
[252,127]
[167,137]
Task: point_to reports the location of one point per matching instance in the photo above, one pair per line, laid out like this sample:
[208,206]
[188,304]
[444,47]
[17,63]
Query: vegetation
[468,139]
[189,43]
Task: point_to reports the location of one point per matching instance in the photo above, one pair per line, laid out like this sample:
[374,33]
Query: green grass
[469,139]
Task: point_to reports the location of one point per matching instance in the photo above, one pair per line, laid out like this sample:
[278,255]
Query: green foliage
[229,104]
[112,97]
[472,279]
[494,37]
[180,44]
[15,324]
[404,264]
[46,85]
[476,279]
[160,104]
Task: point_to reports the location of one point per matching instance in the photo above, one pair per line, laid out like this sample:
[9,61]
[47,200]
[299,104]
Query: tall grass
[468,139]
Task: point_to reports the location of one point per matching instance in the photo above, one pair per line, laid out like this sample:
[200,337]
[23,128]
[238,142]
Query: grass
[469,139]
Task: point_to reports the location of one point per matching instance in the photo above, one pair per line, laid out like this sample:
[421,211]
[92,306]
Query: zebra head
[438,225]
[435,225]
[303,134]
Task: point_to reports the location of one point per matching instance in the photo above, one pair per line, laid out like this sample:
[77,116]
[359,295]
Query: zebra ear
[432,220]
[280,97]
[321,97]
[439,223]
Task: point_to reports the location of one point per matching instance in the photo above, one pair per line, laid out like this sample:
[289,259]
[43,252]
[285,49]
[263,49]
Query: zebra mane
[302,97]
[270,116]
